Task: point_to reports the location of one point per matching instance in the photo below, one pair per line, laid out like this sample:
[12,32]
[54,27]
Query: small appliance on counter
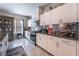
[50,29]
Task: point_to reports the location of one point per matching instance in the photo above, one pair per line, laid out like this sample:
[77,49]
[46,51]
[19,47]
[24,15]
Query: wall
[53,5]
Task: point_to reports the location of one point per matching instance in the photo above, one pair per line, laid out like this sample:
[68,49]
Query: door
[52,48]
[41,40]
[69,12]
[42,18]
[66,13]
[44,41]
[66,49]
[38,39]
[55,16]
[45,18]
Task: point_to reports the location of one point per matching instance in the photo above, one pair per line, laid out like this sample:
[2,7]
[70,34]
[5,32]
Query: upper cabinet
[42,18]
[45,18]
[38,12]
[66,13]
[55,16]
[69,13]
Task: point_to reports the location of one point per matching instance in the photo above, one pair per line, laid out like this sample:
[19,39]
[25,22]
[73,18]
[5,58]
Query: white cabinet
[42,18]
[52,48]
[41,40]
[67,48]
[27,35]
[55,16]
[66,13]
[47,43]
[57,46]
[45,18]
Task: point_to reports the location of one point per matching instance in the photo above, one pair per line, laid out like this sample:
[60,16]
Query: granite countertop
[2,35]
[58,36]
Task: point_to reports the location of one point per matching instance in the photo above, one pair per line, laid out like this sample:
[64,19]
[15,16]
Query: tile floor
[31,49]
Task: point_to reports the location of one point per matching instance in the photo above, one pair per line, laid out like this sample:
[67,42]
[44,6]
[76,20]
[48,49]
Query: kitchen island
[3,44]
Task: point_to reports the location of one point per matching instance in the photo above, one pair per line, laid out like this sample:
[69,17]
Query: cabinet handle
[57,44]
[40,38]
[51,38]
[66,41]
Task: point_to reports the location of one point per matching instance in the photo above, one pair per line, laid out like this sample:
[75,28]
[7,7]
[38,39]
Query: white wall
[27,9]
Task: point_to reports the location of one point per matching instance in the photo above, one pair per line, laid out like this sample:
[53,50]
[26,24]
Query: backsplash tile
[74,28]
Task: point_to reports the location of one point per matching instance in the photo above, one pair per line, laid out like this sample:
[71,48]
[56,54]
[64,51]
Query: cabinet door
[38,40]
[69,12]
[52,48]
[45,18]
[42,19]
[41,40]
[66,13]
[65,49]
[44,41]
[55,16]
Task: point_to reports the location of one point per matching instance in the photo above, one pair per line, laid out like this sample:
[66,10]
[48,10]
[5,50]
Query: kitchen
[54,28]
[62,40]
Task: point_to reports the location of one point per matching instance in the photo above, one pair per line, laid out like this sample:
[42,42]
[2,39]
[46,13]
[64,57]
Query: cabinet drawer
[69,42]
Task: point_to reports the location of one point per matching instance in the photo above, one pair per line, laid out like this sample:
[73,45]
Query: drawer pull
[40,38]
[65,41]
[57,44]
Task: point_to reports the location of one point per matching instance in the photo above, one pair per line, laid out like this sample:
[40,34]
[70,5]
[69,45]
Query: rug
[17,51]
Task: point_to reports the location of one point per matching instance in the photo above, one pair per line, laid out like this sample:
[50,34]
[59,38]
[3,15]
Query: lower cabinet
[41,40]
[77,48]
[56,46]
[66,48]
[52,48]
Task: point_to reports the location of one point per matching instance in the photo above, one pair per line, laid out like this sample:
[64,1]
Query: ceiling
[26,9]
